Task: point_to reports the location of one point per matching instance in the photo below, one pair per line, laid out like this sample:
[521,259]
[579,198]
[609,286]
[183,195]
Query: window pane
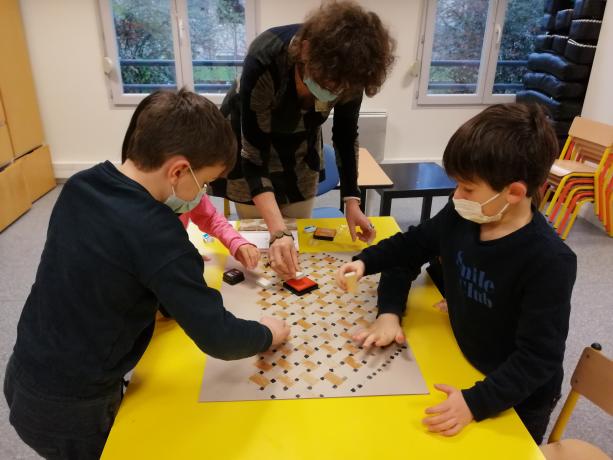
[144,40]
[456,50]
[521,25]
[217,33]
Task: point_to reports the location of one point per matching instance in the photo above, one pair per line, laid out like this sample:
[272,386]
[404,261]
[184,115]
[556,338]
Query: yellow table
[161,418]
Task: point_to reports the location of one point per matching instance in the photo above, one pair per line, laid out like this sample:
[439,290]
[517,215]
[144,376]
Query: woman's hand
[282,252]
[355,217]
[284,257]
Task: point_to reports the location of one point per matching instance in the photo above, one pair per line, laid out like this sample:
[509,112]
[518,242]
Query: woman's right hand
[284,258]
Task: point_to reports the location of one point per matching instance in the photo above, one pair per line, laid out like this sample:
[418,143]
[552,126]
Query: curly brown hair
[348,46]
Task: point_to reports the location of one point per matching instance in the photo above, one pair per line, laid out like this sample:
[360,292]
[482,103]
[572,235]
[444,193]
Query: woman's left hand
[355,217]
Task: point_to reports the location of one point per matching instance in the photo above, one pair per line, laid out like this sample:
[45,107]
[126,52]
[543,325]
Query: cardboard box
[14,199]
[37,172]
[6,149]
[2,114]
[17,83]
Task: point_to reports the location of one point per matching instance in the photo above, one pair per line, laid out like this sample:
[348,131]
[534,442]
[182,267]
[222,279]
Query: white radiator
[371,126]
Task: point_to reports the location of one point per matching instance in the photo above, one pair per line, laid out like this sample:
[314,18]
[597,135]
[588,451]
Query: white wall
[83,128]
[598,104]
[65,42]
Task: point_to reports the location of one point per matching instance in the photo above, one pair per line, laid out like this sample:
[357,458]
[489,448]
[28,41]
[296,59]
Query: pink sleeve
[184,218]
[208,220]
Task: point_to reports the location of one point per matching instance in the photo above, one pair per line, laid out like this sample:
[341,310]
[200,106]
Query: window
[153,44]
[476,52]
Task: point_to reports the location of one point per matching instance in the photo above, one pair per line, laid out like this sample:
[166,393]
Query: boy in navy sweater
[508,277]
[115,250]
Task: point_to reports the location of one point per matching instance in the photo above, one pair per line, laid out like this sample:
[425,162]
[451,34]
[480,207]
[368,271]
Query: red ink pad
[300,286]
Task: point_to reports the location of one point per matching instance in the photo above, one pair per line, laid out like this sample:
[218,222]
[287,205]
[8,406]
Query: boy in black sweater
[508,277]
[115,250]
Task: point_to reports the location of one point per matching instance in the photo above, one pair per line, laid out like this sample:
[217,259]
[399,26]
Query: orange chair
[582,174]
[593,379]
[566,221]
[608,214]
[604,180]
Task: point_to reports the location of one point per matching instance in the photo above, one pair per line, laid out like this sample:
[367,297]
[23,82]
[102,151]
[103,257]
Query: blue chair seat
[331,170]
[327,212]
[329,183]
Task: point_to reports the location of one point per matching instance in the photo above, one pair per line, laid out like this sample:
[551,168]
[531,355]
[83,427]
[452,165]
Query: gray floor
[591,320]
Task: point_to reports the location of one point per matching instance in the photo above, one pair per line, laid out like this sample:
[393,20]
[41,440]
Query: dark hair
[503,144]
[168,123]
[348,46]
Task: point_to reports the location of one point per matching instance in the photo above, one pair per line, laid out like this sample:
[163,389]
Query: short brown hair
[168,123]
[348,46]
[503,144]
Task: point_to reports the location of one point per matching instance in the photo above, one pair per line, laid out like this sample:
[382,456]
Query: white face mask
[473,210]
[180,206]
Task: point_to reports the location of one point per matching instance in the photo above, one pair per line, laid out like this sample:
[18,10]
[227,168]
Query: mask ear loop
[194,176]
[172,187]
[491,199]
[504,208]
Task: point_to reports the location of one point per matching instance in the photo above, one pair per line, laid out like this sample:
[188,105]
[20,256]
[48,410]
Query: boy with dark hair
[114,251]
[508,277]
[202,214]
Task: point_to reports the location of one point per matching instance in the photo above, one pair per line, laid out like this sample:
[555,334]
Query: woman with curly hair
[293,76]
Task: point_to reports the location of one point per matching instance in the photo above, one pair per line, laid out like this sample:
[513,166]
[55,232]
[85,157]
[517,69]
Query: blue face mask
[180,206]
[320,93]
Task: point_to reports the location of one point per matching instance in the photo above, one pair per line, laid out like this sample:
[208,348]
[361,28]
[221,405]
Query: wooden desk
[160,417]
[370,176]
[370,173]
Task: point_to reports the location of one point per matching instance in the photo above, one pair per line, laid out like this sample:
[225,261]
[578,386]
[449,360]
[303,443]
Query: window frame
[492,38]
[184,75]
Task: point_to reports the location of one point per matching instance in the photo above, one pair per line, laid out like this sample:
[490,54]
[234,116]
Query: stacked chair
[582,174]
[559,69]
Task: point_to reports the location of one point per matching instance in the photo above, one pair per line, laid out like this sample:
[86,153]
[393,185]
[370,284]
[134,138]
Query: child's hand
[441,306]
[382,332]
[279,328]
[248,255]
[452,414]
[356,266]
